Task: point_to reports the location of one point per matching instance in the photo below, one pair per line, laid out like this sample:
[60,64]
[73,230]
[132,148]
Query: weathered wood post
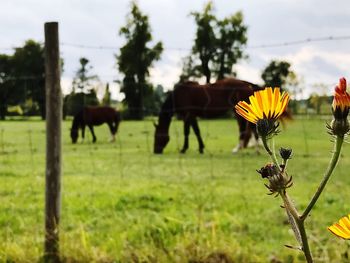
[53,142]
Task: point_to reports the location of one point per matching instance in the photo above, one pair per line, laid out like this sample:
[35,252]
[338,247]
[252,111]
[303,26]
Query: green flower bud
[338,127]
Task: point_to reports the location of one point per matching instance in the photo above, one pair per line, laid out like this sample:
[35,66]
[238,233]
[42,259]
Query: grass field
[121,203]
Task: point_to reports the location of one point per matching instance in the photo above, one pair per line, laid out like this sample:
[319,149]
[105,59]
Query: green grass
[121,203]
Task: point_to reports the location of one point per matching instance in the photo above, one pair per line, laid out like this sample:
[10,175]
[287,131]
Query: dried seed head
[286,153]
[278,181]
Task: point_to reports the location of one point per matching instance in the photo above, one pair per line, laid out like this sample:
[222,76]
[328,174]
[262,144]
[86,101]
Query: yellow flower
[264,104]
[341,229]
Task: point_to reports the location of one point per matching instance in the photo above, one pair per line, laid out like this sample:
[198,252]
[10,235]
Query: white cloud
[248,73]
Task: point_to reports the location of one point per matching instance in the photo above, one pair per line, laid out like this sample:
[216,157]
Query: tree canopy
[83,91]
[135,59]
[218,44]
[276,73]
[22,76]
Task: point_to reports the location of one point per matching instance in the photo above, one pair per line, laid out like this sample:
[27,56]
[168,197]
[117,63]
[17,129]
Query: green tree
[28,70]
[205,41]
[279,74]
[83,92]
[74,102]
[276,74]
[218,43]
[189,70]
[8,95]
[83,80]
[232,38]
[134,60]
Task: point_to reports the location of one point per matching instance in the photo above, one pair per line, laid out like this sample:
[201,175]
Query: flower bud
[286,153]
[339,127]
[341,101]
[268,170]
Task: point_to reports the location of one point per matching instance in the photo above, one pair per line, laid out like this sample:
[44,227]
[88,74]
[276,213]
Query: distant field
[121,203]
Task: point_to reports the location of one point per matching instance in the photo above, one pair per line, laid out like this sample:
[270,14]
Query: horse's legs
[247,134]
[256,137]
[92,133]
[83,131]
[242,126]
[186,134]
[116,124]
[196,130]
[112,130]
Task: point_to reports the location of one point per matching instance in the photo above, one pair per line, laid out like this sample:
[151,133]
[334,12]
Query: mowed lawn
[122,203]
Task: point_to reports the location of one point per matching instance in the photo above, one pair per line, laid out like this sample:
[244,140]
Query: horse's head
[74,135]
[161,139]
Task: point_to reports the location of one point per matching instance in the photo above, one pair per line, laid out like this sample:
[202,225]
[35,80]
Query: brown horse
[92,116]
[190,100]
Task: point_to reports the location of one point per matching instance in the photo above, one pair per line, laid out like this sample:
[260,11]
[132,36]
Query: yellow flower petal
[338,232]
[267,103]
[341,229]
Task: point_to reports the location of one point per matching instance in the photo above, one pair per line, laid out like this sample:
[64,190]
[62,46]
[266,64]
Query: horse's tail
[286,117]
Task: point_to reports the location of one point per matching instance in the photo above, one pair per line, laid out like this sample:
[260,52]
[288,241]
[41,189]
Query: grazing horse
[92,116]
[190,100]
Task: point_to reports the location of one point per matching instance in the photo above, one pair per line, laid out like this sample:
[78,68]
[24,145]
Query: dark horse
[92,116]
[190,100]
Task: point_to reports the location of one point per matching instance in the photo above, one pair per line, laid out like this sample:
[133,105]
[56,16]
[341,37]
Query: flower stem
[268,150]
[306,248]
[332,164]
[298,223]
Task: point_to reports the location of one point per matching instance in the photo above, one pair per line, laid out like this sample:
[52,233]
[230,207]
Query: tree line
[218,45]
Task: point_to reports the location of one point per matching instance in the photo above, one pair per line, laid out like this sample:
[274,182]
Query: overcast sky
[97,23]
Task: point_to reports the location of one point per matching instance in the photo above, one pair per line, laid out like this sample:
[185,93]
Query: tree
[218,43]
[7,93]
[134,60]
[83,92]
[188,69]
[276,73]
[83,78]
[316,101]
[205,41]
[279,74]
[232,37]
[28,70]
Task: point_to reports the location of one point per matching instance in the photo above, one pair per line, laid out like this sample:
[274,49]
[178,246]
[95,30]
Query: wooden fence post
[53,142]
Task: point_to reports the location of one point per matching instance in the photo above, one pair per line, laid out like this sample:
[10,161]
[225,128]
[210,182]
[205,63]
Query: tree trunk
[221,74]
[207,72]
[3,110]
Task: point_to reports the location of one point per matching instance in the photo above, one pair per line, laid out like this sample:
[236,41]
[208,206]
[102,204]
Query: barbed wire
[282,44]
[269,45]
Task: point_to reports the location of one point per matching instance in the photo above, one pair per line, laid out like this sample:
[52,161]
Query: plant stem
[332,164]
[306,248]
[299,224]
[271,153]
[290,206]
